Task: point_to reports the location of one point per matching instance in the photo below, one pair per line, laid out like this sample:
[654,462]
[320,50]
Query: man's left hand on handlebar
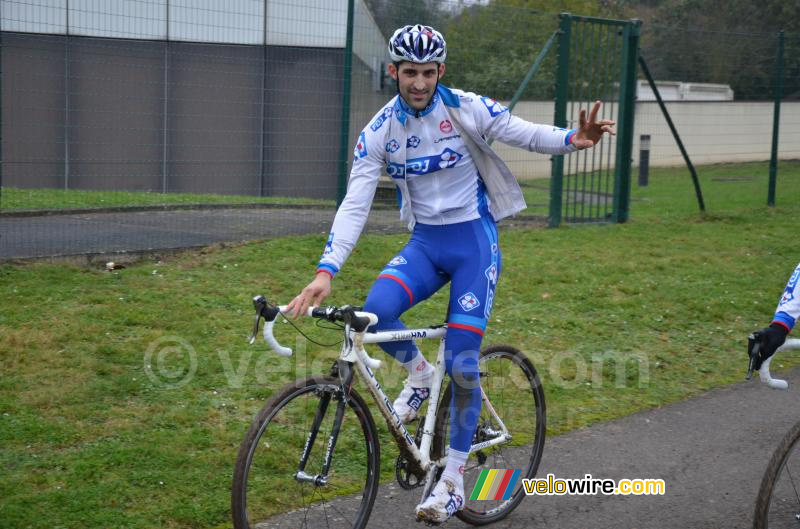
[769,339]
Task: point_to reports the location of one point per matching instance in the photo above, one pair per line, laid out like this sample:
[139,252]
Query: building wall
[182,95]
[233,119]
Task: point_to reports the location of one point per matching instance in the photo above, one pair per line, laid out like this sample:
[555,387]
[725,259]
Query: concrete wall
[233,119]
[713,132]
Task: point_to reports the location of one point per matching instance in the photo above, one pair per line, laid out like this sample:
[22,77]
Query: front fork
[344,371]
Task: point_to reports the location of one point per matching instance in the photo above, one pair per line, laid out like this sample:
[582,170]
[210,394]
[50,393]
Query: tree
[731,42]
[491,47]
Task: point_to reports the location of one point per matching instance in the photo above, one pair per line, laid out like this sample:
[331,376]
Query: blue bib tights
[467,255]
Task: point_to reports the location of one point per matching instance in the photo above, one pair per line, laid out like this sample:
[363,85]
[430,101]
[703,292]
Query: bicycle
[291,443]
[778,500]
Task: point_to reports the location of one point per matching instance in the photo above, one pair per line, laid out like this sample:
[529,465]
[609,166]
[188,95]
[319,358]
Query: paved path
[711,451]
[141,231]
[158,229]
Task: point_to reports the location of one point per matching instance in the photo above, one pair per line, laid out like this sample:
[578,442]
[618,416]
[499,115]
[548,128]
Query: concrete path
[711,451]
[151,230]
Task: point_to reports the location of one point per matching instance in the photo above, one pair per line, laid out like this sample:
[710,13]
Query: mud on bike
[312,456]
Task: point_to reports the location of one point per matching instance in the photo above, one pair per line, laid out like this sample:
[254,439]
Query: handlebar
[353,318]
[763,373]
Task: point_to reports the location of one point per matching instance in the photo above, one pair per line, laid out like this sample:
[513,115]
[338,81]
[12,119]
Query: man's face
[416,82]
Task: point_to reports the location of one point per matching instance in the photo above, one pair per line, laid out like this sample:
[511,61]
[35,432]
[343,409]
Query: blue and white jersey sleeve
[494,121]
[369,159]
[789,306]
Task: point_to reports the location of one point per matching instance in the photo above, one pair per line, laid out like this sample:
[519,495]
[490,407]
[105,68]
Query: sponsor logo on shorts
[468,301]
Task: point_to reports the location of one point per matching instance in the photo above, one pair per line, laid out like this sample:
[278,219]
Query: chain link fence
[152,124]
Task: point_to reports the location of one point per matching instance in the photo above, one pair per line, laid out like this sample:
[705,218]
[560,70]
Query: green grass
[87,438]
[16,199]
[725,187]
[671,192]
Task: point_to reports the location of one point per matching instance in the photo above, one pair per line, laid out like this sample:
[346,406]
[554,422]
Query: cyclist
[783,321]
[452,188]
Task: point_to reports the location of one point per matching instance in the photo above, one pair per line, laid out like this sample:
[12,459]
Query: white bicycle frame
[353,352]
[764,374]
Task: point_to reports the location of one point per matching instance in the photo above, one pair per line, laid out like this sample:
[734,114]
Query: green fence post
[698,191]
[627,110]
[560,118]
[776,118]
[344,140]
[1,121]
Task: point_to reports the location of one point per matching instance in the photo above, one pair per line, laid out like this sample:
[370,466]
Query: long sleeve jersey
[433,158]
[789,306]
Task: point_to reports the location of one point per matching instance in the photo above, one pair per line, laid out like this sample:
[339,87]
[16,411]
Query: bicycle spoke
[275,498]
[793,485]
[512,387]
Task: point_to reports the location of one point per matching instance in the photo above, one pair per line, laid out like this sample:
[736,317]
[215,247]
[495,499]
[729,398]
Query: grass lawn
[671,193]
[16,199]
[88,439]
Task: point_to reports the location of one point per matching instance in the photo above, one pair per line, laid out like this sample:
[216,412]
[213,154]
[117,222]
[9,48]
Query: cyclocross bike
[778,500]
[311,457]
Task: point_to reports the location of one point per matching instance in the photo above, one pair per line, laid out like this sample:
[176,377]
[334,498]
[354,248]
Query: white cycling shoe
[410,400]
[445,500]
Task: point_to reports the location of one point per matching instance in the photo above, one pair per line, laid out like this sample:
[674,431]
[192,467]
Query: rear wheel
[266,491]
[511,384]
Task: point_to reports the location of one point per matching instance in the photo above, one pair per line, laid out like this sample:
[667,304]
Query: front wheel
[511,384]
[778,501]
[267,492]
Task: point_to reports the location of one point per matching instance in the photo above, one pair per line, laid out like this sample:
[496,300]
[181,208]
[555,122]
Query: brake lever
[253,336]
[259,302]
[753,348]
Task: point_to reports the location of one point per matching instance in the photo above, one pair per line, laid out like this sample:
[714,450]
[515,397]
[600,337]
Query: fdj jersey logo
[397,261]
[396,170]
[361,147]
[429,164]
[387,113]
[413,142]
[788,294]
[328,246]
[445,126]
[392,146]
[494,108]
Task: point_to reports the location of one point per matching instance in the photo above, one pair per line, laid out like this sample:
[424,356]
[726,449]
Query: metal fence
[151,124]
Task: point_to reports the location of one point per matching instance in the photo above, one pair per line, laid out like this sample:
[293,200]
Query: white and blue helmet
[419,44]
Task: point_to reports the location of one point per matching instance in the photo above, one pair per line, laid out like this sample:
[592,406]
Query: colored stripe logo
[494,484]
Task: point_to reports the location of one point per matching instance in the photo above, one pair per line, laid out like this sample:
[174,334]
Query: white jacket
[477,118]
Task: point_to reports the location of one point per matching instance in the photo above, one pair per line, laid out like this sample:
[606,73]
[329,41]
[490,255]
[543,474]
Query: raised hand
[591,132]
